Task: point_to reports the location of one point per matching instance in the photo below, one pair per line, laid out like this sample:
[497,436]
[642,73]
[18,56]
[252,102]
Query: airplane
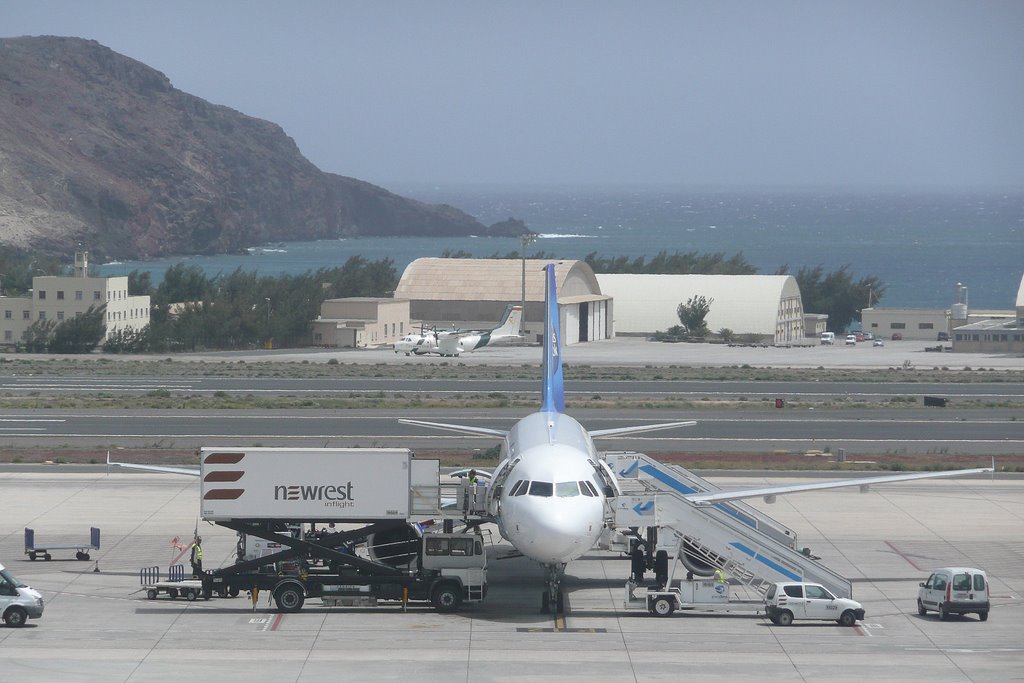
[550,490]
[454,342]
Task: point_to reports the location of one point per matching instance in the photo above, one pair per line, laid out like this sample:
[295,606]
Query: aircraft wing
[636,429]
[192,472]
[463,429]
[769,492]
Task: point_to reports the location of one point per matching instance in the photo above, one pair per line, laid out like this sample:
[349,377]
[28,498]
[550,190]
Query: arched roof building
[474,292]
[766,305]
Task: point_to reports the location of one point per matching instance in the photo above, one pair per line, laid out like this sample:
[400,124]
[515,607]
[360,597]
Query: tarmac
[99,626]
[626,351]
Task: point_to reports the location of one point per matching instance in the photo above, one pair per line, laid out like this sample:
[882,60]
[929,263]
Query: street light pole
[525,240]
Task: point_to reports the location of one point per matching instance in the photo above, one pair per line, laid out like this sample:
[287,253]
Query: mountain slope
[101,150]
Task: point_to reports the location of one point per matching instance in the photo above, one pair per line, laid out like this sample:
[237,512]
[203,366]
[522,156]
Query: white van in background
[954,590]
[828,338]
[18,602]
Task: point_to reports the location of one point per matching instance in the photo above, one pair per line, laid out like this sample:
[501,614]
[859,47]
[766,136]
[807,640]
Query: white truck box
[310,484]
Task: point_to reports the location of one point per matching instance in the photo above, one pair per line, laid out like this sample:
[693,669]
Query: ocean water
[919,244]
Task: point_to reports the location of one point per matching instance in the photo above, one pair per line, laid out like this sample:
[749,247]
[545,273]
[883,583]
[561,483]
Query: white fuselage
[551,504]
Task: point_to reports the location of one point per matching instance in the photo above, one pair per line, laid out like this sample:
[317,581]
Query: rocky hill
[101,150]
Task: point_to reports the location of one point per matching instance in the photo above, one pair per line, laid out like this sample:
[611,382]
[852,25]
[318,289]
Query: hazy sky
[828,92]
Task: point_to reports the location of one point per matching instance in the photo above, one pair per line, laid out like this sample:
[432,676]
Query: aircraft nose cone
[549,537]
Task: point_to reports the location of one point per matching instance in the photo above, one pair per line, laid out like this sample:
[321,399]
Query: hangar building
[473,293]
[768,306]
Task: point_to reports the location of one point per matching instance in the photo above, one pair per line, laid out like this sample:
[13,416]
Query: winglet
[553,390]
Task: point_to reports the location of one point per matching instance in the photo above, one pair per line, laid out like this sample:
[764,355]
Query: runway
[98,628]
[905,430]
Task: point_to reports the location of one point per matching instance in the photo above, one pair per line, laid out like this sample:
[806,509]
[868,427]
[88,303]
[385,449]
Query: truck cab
[18,602]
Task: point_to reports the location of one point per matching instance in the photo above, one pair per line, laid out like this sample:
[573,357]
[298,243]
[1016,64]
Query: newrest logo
[331,495]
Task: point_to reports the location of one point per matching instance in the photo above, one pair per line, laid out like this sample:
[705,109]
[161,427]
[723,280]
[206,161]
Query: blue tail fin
[553,391]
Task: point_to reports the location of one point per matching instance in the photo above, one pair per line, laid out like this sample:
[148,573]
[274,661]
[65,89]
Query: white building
[768,306]
[356,322]
[59,298]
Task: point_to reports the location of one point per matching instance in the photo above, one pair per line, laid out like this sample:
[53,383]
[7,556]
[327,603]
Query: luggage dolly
[175,586]
[33,551]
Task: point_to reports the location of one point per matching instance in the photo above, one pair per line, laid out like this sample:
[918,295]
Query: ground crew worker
[197,557]
[720,576]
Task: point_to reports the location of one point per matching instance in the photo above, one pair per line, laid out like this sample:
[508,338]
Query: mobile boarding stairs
[750,546]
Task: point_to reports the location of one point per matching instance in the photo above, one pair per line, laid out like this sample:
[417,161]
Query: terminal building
[765,306]
[60,298]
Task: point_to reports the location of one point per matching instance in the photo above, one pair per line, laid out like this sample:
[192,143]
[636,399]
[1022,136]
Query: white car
[954,590]
[788,602]
[851,340]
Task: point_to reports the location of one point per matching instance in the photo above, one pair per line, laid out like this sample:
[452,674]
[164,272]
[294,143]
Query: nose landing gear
[551,600]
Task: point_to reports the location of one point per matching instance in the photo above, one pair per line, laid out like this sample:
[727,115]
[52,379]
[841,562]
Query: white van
[18,602]
[828,338]
[954,590]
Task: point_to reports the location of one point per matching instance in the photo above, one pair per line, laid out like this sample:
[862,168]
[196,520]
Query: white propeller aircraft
[454,342]
[549,491]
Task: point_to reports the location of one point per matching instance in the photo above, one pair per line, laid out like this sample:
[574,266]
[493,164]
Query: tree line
[191,310]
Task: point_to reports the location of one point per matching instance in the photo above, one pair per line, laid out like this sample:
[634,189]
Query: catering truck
[346,525]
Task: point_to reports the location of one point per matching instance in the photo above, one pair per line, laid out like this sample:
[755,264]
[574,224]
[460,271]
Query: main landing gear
[552,597]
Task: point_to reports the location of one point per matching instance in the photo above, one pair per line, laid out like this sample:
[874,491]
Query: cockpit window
[586,489]
[567,489]
[541,488]
[519,489]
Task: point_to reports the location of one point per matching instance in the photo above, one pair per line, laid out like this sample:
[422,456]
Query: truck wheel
[233,591]
[47,557]
[661,568]
[785,618]
[81,556]
[446,598]
[920,608]
[848,618]
[190,594]
[15,617]
[983,616]
[289,597]
[32,556]
[151,594]
[943,614]
[662,607]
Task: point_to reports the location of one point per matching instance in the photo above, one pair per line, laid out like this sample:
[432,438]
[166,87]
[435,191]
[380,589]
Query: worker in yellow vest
[197,558]
[720,576]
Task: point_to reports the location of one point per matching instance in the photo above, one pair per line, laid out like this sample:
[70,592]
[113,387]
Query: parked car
[788,602]
[954,590]
[868,336]
[851,340]
[896,336]
[860,336]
